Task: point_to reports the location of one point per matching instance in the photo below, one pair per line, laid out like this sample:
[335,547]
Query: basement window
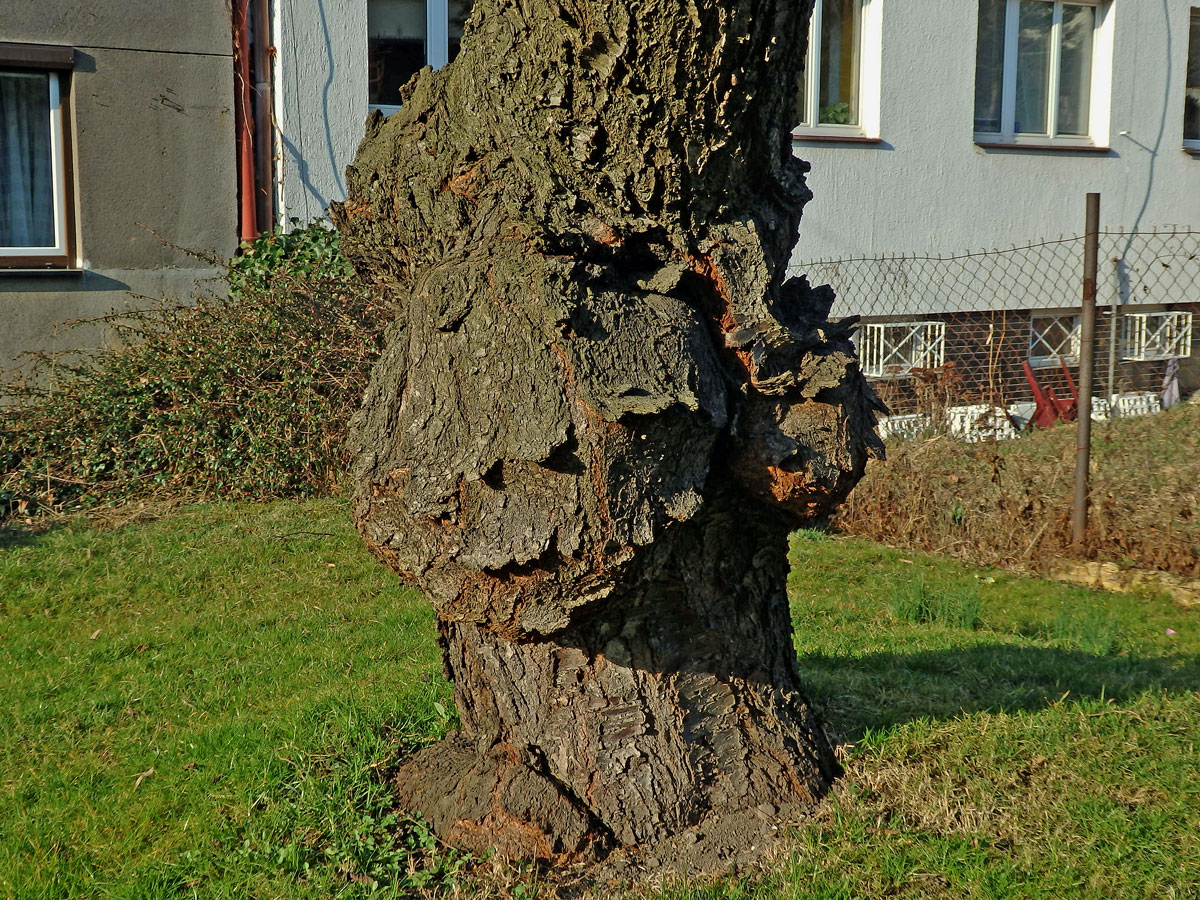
[1052,338]
[1156,335]
[895,349]
[35,195]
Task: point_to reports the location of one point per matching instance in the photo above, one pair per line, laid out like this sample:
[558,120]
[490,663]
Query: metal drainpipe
[243,123]
[1087,368]
[264,138]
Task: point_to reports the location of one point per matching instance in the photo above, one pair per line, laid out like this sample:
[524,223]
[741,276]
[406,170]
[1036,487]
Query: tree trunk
[677,698]
[600,410]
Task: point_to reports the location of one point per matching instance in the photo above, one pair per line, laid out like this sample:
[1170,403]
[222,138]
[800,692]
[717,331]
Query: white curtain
[26,170]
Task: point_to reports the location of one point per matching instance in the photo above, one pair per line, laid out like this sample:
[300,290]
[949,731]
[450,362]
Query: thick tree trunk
[674,700]
[600,410]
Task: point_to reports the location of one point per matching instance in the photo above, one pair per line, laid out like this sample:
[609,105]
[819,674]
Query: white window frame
[437,43]
[59,252]
[1039,325]
[922,346]
[1101,82]
[1149,336]
[870,55]
[1191,144]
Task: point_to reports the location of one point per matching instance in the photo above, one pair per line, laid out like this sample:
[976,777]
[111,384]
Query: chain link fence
[970,343]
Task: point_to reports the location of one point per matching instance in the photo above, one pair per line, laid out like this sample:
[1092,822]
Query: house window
[1156,335]
[1052,338]
[894,349]
[1191,100]
[35,202]
[839,88]
[403,36]
[1036,77]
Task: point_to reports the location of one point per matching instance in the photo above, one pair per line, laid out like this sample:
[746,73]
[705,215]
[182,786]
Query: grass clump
[1093,629]
[913,601]
[245,396]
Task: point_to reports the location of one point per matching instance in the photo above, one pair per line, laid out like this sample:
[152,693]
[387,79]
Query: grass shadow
[13,536]
[878,690]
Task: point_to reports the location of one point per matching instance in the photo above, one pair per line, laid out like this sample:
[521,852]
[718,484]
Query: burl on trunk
[601,407]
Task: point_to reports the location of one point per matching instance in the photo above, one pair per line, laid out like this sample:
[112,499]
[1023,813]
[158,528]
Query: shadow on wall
[337,175]
[1153,151]
[298,148]
[61,283]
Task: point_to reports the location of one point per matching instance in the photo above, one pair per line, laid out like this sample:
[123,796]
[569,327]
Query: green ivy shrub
[243,397]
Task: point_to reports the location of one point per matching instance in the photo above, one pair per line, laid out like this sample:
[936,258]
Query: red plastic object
[1050,409]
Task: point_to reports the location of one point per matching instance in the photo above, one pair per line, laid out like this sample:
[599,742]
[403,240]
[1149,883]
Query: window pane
[1191,104]
[989,65]
[1033,65]
[840,28]
[26,167]
[1054,337]
[460,11]
[1075,68]
[395,47]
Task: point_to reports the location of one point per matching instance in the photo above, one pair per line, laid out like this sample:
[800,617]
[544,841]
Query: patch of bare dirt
[745,842]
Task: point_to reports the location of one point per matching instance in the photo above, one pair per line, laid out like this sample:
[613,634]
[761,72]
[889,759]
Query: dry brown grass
[1009,503]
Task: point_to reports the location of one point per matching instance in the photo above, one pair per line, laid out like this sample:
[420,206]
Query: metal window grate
[1052,338]
[1156,335]
[894,349]
[987,299]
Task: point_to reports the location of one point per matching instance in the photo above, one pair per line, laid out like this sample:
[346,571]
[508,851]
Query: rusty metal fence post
[1087,359]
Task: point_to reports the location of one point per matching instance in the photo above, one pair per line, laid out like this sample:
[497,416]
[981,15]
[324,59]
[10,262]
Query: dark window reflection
[396,47]
[459,11]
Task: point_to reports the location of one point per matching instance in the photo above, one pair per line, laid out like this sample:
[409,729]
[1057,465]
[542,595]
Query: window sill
[1040,146]
[1192,149]
[42,271]
[1052,362]
[834,138]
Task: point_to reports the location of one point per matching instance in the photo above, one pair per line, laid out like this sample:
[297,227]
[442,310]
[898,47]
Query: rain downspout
[264,139]
[244,123]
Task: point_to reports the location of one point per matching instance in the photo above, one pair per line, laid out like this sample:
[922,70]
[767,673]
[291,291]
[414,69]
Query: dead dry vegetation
[1009,503]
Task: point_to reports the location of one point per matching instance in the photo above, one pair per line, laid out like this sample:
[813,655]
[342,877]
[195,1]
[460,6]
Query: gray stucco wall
[153,134]
[321,74]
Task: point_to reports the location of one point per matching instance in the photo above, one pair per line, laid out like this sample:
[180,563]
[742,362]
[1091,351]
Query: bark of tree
[601,408]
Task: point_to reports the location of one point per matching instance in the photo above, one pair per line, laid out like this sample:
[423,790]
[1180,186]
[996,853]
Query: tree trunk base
[491,801]
[677,705]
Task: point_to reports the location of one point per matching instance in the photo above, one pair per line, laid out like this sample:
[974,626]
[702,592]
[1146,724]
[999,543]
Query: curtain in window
[989,66]
[1035,35]
[26,172]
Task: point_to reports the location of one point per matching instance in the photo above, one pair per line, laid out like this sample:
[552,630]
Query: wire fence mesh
[970,342]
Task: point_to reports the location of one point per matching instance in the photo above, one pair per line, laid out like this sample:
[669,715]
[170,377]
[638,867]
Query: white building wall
[321,100]
[927,188]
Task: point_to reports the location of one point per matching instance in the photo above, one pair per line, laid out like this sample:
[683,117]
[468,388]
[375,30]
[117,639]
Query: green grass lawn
[205,705]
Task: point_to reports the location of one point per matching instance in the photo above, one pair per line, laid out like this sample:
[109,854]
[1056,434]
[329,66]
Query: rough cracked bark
[601,408]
